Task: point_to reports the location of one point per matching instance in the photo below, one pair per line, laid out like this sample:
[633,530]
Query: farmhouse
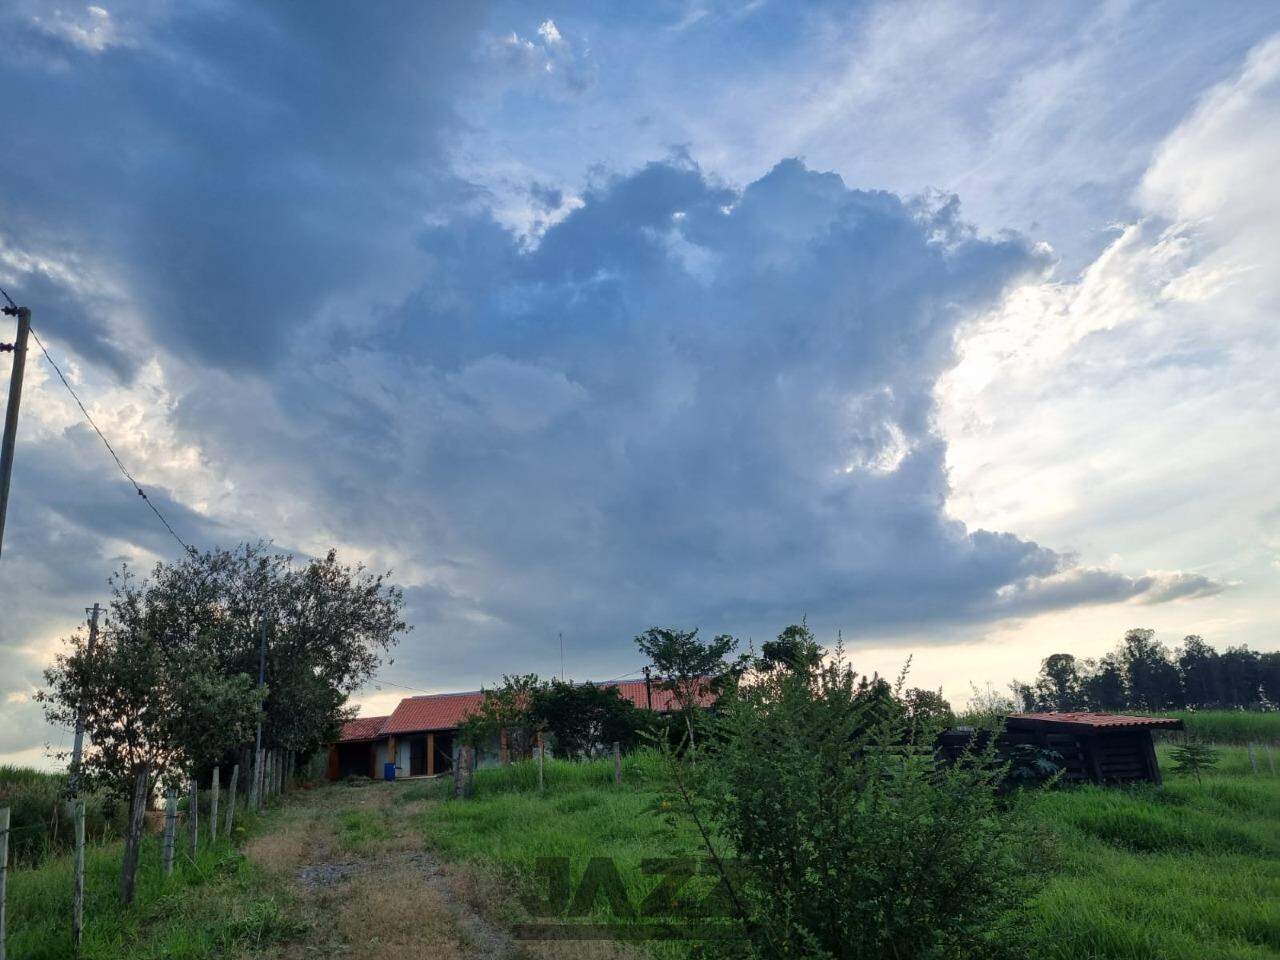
[1099,747]
[420,735]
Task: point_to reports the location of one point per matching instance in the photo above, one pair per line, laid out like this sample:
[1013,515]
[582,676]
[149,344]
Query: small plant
[1032,766]
[1193,757]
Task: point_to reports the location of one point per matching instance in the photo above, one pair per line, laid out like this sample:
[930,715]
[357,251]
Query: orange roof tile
[446,711]
[1094,720]
[438,711]
[362,728]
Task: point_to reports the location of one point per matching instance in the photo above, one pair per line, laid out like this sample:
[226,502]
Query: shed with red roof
[1097,747]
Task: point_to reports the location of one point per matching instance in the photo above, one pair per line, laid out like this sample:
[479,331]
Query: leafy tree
[1200,671]
[690,668]
[1193,757]
[172,685]
[849,840]
[1240,675]
[928,708]
[1025,697]
[1269,677]
[1103,684]
[155,702]
[1058,687]
[507,708]
[581,716]
[795,650]
[1151,679]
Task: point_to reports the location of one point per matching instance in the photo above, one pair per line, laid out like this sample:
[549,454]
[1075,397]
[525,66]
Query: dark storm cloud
[239,165]
[687,403]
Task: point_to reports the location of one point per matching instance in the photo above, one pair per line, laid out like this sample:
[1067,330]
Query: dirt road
[362,883]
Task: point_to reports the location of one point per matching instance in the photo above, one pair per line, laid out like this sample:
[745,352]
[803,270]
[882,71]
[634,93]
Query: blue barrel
[388,771]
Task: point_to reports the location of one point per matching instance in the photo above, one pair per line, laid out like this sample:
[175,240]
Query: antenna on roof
[562,656]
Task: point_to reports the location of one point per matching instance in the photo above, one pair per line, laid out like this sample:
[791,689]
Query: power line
[110,449]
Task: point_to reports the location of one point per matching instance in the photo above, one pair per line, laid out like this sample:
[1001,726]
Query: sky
[949,327]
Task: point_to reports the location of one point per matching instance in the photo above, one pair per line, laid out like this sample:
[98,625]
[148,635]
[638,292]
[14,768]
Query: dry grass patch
[393,914]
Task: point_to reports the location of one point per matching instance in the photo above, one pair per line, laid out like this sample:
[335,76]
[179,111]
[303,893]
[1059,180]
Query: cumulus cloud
[617,437]
[546,57]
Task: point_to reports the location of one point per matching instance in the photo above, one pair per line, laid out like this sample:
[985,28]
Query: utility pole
[77,748]
[256,784]
[648,688]
[19,348]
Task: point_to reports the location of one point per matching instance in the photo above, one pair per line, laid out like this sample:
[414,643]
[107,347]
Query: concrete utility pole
[256,786]
[77,748]
[19,348]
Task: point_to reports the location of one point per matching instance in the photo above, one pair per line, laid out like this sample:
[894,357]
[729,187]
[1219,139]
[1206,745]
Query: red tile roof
[663,700]
[1097,720]
[362,728]
[446,711]
[439,711]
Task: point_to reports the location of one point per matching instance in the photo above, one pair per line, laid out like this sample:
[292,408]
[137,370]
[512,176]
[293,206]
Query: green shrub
[38,822]
[849,841]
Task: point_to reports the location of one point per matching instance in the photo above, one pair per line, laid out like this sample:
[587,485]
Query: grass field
[214,905]
[1188,871]
[1229,726]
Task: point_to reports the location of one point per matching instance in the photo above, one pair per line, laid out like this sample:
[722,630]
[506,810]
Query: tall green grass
[214,905]
[40,827]
[1228,726]
[581,814]
[1186,871]
[1189,871]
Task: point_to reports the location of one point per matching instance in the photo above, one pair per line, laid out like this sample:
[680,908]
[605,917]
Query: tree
[928,708]
[690,668]
[506,710]
[1200,672]
[1059,686]
[1151,679]
[155,702]
[850,841]
[1240,675]
[1103,684]
[172,685]
[795,650]
[580,717]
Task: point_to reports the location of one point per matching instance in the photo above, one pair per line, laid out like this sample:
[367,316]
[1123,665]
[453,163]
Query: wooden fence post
[231,799]
[170,828]
[617,763]
[1271,761]
[457,774]
[193,814]
[77,896]
[133,839]
[1253,760]
[258,776]
[542,750]
[4,870]
[213,808]
[251,794]
[471,771]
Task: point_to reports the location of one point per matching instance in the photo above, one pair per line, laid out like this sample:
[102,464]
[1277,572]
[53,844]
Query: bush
[849,840]
[38,823]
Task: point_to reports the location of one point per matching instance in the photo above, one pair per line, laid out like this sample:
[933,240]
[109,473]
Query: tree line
[1142,673]
[170,685]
